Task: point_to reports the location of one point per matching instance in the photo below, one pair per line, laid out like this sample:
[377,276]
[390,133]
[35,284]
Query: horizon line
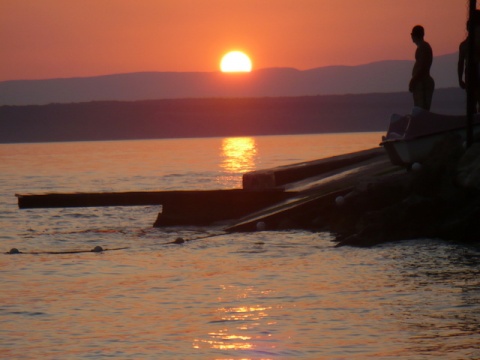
[218,71]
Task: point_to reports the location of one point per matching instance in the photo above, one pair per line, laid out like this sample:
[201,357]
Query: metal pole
[471,72]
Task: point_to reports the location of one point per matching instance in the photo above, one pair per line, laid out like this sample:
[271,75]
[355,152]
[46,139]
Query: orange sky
[67,38]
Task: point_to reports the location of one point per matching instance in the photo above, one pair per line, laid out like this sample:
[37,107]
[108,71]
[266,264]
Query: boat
[410,138]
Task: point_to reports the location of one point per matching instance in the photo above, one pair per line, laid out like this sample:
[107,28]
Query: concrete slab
[279,177]
[315,195]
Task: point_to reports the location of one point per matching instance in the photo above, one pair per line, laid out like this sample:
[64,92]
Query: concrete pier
[360,197]
[178,207]
[266,194]
[283,176]
[316,195]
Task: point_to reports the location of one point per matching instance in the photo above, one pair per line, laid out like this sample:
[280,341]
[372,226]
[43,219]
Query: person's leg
[429,89]
[423,93]
[418,96]
[477,100]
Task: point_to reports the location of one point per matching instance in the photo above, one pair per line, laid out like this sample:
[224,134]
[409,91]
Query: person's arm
[461,65]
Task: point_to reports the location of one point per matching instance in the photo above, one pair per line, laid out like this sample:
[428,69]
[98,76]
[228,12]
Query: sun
[235,61]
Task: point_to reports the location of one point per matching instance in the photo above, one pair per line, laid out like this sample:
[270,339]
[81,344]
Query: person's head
[418,32]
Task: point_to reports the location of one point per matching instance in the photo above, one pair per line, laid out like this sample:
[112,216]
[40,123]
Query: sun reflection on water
[235,322]
[238,156]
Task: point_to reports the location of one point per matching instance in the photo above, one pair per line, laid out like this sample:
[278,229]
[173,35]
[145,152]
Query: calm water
[263,295]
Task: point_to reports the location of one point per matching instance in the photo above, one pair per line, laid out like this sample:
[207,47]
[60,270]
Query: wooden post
[471,72]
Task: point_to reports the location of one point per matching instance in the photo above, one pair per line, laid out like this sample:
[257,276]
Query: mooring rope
[99,249]
[96,249]
[181,240]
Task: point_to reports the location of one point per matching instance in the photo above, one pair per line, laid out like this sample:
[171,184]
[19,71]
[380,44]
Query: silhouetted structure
[472,71]
[463,53]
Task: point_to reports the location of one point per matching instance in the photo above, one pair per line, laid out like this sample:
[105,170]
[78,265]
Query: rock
[439,168]
[368,197]
[424,203]
[468,169]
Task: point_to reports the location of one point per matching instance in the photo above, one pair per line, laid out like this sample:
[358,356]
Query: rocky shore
[439,198]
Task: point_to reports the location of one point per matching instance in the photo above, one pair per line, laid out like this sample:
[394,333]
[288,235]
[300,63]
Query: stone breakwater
[439,198]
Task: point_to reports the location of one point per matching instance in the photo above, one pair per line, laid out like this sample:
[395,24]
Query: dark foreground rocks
[439,198]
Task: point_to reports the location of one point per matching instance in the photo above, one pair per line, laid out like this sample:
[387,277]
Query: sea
[260,295]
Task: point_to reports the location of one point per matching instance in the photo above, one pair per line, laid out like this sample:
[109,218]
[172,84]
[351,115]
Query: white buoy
[340,200]
[261,226]
[416,166]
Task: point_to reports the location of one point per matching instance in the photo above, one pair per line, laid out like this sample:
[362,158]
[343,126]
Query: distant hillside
[378,77]
[115,120]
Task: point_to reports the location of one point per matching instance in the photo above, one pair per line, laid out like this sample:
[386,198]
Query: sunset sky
[42,39]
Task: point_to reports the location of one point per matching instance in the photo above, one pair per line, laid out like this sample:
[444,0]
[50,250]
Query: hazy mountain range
[264,102]
[377,77]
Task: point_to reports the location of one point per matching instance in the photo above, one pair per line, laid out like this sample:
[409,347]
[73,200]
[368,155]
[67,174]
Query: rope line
[99,249]
[96,249]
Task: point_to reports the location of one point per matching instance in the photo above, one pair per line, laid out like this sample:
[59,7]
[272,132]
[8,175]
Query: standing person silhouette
[463,60]
[422,84]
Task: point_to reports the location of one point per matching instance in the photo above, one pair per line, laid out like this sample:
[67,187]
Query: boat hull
[411,138]
[407,152]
